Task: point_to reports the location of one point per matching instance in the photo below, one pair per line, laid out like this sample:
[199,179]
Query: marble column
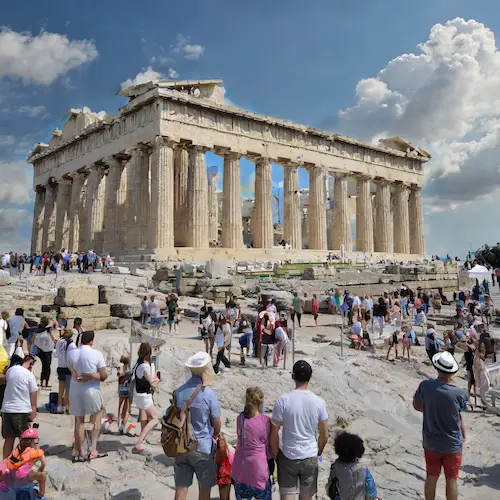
[316,213]
[112,221]
[197,214]
[401,220]
[232,229]
[63,203]
[124,201]
[292,230]
[341,225]
[75,212]
[264,231]
[417,245]
[92,203]
[38,217]
[213,210]
[84,221]
[161,233]
[144,206]
[49,223]
[134,195]
[364,215]
[98,213]
[384,240]
[181,160]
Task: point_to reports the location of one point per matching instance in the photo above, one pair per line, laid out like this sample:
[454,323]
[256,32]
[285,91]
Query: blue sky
[302,61]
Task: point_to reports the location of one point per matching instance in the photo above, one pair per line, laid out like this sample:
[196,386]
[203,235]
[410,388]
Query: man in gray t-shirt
[443,430]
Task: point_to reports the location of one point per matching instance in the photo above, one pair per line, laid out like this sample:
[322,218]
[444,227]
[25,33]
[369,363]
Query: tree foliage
[490,255]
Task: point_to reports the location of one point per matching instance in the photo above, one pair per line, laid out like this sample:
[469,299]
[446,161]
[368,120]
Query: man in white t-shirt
[303,417]
[89,370]
[154,311]
[19,402]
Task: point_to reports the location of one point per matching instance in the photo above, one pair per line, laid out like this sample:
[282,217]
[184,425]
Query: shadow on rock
[130,494]
[486,476]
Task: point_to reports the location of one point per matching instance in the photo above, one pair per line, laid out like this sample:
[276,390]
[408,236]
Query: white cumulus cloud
[41,58]
[171,73]
[32,111]
[147,75]
[17,184]
[445,98]
[189,50]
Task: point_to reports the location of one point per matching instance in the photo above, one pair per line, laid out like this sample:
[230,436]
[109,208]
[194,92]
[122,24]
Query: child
[394,343]
[124,376]
[224,459]
[409,337]
[349,480]
[18,470]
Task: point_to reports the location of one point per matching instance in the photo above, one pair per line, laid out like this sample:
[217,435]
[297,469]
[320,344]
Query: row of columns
[158,196]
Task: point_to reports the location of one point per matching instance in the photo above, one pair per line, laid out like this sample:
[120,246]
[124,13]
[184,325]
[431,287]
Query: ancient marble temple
[137,184]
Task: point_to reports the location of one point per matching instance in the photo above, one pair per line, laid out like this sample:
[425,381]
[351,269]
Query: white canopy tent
[478,271]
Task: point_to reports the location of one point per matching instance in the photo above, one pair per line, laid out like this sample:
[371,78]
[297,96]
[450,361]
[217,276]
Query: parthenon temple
[137,184]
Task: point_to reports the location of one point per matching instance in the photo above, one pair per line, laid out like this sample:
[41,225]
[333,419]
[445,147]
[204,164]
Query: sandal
[78,459]
[138,450]
[93,455]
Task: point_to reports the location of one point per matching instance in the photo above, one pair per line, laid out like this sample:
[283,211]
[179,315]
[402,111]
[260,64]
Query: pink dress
[250,459]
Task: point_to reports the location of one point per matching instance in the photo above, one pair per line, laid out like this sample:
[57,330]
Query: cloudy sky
[369,69]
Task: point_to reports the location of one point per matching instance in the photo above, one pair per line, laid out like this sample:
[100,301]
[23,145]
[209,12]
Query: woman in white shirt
[3,326]
[44,346]
[145,380]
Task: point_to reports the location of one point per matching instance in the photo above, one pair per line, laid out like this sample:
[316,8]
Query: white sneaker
[227,368]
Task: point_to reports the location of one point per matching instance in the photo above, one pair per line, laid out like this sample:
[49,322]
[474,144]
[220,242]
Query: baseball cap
[302,371]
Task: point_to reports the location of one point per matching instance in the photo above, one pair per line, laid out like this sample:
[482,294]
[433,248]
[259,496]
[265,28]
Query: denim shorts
[195,462]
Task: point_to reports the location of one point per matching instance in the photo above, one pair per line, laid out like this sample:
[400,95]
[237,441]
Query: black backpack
[7,331]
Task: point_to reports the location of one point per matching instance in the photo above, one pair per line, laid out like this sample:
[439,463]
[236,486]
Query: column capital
[163,141]
[112,161]
[401,186]
[382,181]
[39,188]
[416,188]
[342,175]
[362,177]
[228,153]
[291,165]
[196,148]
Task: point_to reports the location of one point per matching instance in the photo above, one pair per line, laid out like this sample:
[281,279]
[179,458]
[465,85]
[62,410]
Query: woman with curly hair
[349,480]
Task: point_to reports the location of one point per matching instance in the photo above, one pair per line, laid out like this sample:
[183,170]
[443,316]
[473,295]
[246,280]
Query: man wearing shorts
[205,427]
[443,430]
[303,417]
[19,402]
[89,370]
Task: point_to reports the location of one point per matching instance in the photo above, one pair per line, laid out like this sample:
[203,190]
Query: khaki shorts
[14,424]
[195,462]
[305,471]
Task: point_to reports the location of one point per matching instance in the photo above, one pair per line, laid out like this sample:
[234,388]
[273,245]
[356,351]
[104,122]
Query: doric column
[181,160]
[144,207]
[98,213]
[49,222]
[401,220]
[38,217]
[364,215]
[63,214]
[341,225]
[213,209]
[417,244]
[384,240]
[316,213]
[161,233]
[112,205]
[264,231]
[197,214]
[76,212]
[232,229]
[292,230]
[92,206]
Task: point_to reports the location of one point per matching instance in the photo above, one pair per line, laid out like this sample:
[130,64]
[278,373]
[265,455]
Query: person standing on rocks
[19,402]
[297,308]
[441,403]
[206,426]
[315,309]
[89,370]
[303,416]
[16,325]
[145,380]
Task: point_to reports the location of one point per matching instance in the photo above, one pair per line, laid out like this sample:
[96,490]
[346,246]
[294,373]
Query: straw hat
[200,365]
[445,362]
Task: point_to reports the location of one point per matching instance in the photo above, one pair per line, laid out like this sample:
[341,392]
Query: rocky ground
[364,393]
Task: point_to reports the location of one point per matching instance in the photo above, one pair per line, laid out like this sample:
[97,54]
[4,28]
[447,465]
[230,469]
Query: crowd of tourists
[54,262]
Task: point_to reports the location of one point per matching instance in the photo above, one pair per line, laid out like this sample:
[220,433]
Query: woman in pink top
[250,470]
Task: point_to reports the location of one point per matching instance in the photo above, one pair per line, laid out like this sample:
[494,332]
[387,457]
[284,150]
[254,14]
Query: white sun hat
[200,365]
[445,362]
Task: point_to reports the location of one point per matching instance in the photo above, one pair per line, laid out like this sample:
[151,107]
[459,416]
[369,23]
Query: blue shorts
[158,320]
